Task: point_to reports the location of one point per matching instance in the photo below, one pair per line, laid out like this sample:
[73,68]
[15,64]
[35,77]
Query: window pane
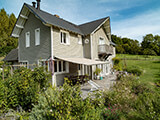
[64,37]
[37,37]
[60,67]
[61,37]
[27,39]
[55,66]
[64,66]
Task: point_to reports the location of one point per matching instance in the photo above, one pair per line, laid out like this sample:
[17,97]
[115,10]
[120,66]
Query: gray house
[73,49]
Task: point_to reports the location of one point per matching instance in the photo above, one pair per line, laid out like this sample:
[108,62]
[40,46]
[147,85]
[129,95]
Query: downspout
[91,43]
[53,79]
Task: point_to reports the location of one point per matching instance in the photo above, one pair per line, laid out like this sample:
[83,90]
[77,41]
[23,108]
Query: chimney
[56,15]
[34,4]
[38,4]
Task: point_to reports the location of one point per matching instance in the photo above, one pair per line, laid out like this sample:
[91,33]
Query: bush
[23,88]
[134,100]
[66,103]
[134,70]
[117,64]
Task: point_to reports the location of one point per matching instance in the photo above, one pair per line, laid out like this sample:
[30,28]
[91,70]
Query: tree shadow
[156,62]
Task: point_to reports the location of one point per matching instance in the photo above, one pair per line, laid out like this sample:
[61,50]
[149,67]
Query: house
[72,49]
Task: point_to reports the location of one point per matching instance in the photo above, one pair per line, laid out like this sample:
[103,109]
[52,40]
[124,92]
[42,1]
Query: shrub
[117,64]
[134,70]
[22,89]
[66,103]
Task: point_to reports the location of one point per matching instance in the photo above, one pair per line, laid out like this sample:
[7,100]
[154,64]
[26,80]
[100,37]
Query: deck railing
[105,49]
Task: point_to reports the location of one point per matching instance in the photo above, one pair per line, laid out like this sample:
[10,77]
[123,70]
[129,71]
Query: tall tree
[6,25]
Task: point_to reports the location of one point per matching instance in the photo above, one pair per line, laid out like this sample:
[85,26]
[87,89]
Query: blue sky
[129,18]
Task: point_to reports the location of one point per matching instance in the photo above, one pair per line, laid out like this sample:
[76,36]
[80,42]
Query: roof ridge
[54,16]
[93,21]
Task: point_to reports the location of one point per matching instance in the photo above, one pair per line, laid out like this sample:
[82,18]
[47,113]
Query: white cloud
[138,26]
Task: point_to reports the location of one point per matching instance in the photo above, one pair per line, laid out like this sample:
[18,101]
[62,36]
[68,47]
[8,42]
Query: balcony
[105,49]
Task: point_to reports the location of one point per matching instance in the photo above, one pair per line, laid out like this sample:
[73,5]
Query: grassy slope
[138,57]
[151,68]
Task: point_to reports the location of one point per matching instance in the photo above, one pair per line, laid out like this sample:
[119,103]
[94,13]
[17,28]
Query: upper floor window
[65,38]
[37,36]
[79,39]
[101,41]
[27,39]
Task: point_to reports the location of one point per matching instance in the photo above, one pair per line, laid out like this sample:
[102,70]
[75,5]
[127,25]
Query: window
[79,39]
[44,63]
[27,39]
[65,38]
[24,64]
[61,66]
[55,66]
[101,41]
[37,36]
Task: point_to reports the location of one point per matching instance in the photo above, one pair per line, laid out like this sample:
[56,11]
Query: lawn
[140,57]
[151,68]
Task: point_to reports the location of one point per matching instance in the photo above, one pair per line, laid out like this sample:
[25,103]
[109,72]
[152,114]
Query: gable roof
[89,27]
[47,18]
[12,56]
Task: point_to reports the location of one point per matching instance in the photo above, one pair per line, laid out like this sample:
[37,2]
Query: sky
[129,18]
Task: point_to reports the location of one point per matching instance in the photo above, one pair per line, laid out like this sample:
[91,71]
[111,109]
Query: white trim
[37,40]
[67,37]
[79,39]
[99,26]
[15,35]
[19,26]
[27,41]
[103,39]
[66,65]
[23,16]
[24,61]
[52,42]
[91,37]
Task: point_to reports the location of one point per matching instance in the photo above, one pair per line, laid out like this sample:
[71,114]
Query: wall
[33,53]
[95,41]
[72,50]
[87,48]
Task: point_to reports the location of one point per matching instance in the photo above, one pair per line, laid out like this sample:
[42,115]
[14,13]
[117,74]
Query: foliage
[111,113]
[117,64]
[22,89]
[97,71]
[134,100]
[134,70]
[6,25]
[66,103]
[150,45]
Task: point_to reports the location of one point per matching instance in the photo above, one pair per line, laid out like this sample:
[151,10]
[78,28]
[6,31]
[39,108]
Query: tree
[6,25]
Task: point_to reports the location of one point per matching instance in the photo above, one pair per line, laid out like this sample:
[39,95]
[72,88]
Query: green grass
[141,57]
[151,68]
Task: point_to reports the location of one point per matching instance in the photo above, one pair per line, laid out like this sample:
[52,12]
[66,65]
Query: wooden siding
[72,50]
[95,41]
[33,53]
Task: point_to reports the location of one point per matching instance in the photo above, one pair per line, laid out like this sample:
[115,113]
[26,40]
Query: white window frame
[79,39]
[99,40]
[66,65]
[23,63]
[37,38]
[67,37]
[43,60]
[27,39]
